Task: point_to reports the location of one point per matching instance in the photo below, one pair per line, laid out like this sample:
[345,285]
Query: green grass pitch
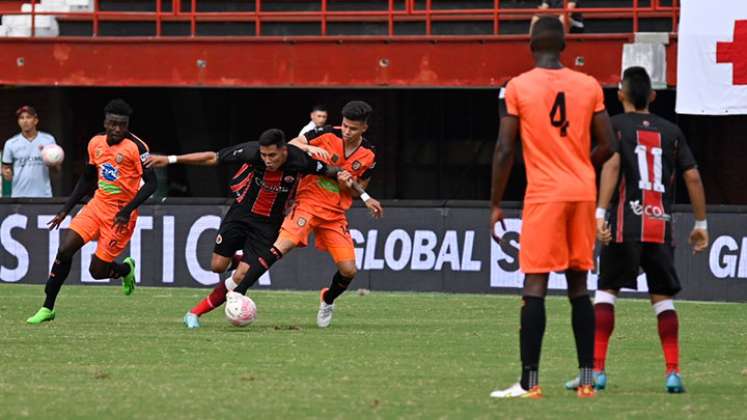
[386,355]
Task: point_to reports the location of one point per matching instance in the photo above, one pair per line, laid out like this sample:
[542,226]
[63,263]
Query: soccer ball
[52,155]
[240,310]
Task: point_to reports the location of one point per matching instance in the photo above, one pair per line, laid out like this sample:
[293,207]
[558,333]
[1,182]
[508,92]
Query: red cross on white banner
[735,52]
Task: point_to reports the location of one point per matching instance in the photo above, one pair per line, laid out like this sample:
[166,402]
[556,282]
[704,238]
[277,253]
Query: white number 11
[645,182]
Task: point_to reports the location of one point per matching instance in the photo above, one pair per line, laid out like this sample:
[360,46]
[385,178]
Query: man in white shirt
[22,161]
[318,119]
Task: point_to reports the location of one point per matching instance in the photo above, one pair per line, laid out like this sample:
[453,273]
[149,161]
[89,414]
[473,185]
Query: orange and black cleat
[586,391]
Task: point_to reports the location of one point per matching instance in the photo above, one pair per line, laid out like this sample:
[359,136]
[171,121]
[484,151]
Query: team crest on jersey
[356,165]
[288,179]
[335,158]
[109,172]
[218,239]
[119,158]
[99,152]
[301,222]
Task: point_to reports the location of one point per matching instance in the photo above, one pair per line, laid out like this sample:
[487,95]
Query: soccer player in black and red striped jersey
[261,188]
[638,185]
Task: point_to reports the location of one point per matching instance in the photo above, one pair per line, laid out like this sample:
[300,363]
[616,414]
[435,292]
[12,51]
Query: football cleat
[600,381]
[674,383]
[586,391]
[128,281]
[191,320]
[324,316]
[516,391]
[41,315]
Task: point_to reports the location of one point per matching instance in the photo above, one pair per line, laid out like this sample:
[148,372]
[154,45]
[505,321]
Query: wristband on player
[172,159]
[601,213]
[701,224]
[365,197]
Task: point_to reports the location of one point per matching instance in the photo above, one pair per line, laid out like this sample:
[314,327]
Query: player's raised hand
[57,220]
[121,220]
[496,216]
[377,211]
[698,240]
[604,233]
[317,152]
[156,161]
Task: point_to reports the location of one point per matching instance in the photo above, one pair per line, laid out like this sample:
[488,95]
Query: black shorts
[619,264]
[253,237]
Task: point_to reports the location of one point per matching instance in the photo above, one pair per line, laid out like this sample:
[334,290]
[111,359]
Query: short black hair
[357,111]
[319,107]
[637,84]
[547,34]
[273,136]
[118,107]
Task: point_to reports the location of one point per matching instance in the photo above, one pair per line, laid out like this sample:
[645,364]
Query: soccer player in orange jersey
[114,170]
[555,110]
[321,204]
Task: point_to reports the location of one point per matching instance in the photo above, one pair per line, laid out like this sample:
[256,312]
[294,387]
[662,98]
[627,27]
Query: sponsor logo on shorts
[650,211]
[119,158]
[288,179]
[301,222]
[109,172]
[218,239]
[356,165]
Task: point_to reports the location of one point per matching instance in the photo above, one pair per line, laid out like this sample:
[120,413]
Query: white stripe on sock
[664,305]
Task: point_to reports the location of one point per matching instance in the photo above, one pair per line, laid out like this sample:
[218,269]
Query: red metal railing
[396,11]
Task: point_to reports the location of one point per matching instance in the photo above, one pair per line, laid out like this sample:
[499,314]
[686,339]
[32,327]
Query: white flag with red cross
[712,57]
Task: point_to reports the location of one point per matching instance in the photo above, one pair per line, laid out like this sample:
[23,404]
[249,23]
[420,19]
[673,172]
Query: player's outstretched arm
[603,135]
[198,158]
[86,185]
[608,182]
[699,236]
[503,161]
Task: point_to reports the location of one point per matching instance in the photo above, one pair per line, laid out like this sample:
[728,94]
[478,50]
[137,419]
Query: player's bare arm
[197,158]
[608,181]
[7,172]
[503,161]
[698,239]
[85,186]
[601,132]
[303,143]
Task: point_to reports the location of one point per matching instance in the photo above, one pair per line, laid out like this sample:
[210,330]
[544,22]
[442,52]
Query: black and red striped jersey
[652,152]
[260,193]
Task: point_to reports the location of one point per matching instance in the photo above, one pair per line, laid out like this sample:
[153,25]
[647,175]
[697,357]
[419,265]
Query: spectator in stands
[22,161]
[576,19]
[318,119]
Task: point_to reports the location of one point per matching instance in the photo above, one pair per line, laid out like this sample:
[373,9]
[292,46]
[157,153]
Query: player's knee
[347,270]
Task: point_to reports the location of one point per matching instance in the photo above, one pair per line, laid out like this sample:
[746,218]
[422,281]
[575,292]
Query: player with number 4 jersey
[556,110]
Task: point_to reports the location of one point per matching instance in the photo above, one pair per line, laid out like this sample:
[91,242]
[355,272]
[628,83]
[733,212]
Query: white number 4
[645,182]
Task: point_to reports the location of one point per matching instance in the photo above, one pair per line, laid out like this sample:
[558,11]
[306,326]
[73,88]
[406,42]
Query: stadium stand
[318,18]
